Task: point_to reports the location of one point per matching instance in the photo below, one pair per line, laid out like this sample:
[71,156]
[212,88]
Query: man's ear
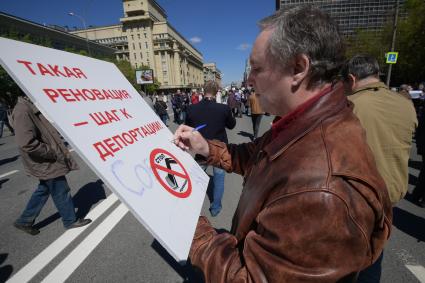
[301,67]
[352,81]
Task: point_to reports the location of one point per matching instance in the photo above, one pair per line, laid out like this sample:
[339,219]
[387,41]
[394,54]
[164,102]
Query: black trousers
[256,119]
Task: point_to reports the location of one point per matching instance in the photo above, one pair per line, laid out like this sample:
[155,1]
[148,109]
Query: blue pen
[199,127]
[194,130]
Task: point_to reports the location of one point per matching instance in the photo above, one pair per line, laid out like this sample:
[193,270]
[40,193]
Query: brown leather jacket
[43,153]
[313,208]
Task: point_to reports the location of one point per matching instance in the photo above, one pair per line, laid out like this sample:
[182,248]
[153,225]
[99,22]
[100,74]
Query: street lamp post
[85,29]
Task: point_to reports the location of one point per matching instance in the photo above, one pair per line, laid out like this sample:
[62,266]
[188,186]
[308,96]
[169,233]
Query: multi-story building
[52,36]
[351,15]
[146,38]
[212,73]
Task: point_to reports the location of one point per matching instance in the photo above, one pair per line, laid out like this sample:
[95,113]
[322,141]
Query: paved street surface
[116,247]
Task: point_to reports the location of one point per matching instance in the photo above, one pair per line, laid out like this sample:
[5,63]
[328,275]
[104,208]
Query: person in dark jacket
[176,104]
[161,109]
[45,157]
[217,117]
[4,120]
[418,194]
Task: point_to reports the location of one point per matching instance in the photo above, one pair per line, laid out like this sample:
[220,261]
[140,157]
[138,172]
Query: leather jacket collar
[324,108]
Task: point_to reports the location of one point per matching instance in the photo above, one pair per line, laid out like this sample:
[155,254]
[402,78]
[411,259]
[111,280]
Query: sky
[222,30]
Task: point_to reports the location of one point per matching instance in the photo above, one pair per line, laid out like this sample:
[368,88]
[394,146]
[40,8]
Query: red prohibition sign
[156,167]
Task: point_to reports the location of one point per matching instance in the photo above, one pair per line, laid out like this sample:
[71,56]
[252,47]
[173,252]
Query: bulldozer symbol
[171,179]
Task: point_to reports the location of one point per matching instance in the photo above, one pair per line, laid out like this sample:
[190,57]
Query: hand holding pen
[188,138]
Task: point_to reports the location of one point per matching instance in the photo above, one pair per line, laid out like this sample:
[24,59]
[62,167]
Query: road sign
[392,57]
[114,131]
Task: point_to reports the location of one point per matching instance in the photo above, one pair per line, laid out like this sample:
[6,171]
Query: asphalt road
[117,248]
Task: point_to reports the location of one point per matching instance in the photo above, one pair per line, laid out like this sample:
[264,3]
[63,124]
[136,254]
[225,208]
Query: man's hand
[188,139]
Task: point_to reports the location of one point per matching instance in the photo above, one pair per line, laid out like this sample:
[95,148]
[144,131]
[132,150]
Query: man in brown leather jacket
[314,207]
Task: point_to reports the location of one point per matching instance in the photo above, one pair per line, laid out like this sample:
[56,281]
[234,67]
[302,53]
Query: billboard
[144,76]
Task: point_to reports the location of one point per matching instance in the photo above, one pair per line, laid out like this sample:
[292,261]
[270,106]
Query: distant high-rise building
[351,15]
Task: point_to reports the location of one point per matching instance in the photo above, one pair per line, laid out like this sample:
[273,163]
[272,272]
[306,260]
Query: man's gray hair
[361,66]
[306,30]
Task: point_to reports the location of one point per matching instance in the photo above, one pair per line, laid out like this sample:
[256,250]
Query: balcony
[134,19]
[162,48]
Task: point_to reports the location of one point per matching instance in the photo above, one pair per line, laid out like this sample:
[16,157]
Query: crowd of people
[241,101]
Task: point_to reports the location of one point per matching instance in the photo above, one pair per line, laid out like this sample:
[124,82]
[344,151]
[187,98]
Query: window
[145,35]
[138,35]
[140,45]
[132,36]
[134,46]
[135,58]
[146,44]
[141,55]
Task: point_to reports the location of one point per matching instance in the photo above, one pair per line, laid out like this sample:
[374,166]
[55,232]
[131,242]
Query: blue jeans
[372,274]
[59,190]
[182,117]
[218,181]
[164,118]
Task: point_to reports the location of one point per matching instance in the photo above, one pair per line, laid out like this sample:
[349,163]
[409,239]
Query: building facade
[145,38]
[212,73]
[52,36]
[351,15]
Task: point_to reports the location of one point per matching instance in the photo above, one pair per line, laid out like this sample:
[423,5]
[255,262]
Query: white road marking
[82,251]
[26,273]
[418,271]
[9,173]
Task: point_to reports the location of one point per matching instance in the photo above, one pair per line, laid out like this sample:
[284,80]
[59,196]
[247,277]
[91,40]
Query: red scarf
[281,123]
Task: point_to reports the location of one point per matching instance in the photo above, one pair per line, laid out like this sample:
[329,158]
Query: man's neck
[366,81]
[304,94]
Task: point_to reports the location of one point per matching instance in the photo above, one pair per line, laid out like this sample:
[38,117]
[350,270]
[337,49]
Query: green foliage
[9,90]
[410,43]
[127,70]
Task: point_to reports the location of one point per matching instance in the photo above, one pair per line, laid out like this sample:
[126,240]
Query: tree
[410,43]
[9,90]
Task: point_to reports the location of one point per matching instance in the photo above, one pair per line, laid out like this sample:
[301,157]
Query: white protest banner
[117,134]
